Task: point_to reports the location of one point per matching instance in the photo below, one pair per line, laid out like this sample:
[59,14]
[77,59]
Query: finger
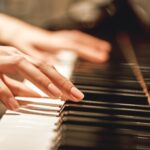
[8,63]
[7,97]
[18,88]
[88,53]
[81,44]
[38,78]
[9,51]
[30,50]
[91,41]
[65,37]
[69,90]
[21,65]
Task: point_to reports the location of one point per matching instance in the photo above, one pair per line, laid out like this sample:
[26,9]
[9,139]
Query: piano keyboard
[113,115]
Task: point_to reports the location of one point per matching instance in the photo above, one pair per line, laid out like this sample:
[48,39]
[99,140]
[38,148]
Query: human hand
[38,42]
[42,74]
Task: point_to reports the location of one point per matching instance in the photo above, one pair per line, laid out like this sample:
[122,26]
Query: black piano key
[104,135]
[109,110]
[106,139]
[100,82]
[106,104]
[104,130]
[110,90]
[106,123]
[115,97]
[106,112]
[105,116]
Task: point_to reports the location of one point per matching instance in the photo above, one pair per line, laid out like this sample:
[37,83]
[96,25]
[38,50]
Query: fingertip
[77,100]
[106,46]
[99,57]
[76,94]
[104,57]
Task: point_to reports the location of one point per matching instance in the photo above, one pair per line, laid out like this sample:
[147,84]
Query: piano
[113,115]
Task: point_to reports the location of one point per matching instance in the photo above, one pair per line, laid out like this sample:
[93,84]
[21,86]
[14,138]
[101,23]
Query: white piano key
[25,140]
[42,101]
[28,119]
[42,108]
[36,112]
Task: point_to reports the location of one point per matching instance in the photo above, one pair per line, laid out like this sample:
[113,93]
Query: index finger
[60,81]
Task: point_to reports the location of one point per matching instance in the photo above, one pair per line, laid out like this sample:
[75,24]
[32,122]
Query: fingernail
[13,104]
[54,90]
[77,93]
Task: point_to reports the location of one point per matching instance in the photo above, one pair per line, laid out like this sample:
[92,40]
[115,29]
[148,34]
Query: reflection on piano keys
[113,115]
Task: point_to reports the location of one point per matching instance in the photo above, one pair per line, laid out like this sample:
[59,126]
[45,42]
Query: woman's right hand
[42,74]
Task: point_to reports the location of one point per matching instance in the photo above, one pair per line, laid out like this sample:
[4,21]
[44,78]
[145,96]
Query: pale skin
[32,57]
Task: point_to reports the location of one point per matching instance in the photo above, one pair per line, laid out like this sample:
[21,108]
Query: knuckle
[50,67]
[46,67]
[18,60]
[39,79]
[40,63]
[42,80]
[66,84]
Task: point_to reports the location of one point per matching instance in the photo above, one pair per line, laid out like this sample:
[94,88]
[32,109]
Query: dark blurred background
[83,14]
